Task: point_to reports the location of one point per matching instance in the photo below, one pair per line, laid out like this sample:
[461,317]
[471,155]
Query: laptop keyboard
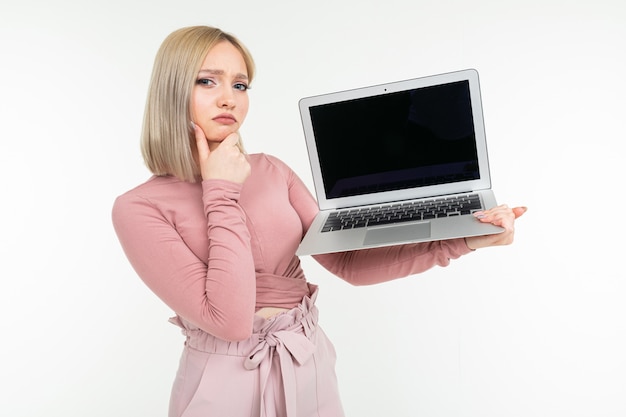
[403,212]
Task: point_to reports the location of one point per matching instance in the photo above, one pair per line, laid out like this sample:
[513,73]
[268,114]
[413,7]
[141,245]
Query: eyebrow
[238,76]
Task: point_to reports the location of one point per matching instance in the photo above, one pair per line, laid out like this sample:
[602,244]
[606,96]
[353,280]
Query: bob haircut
[166,137]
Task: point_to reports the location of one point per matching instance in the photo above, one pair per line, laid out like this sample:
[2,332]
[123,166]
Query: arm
[373,266]
[216,294]
[383,264]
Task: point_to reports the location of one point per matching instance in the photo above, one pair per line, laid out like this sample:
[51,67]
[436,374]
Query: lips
[225,118]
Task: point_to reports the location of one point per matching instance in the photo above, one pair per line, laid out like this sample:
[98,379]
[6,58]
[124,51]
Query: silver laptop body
[411,152]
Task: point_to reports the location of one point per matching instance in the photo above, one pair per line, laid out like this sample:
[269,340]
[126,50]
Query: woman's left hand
[502,216]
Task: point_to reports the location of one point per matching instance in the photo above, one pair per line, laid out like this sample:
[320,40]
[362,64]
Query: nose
[226,99]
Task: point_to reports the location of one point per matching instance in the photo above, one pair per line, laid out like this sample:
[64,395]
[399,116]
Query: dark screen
[398,140]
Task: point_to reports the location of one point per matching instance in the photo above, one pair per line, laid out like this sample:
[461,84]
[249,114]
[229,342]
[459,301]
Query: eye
[205,81]
[241,87]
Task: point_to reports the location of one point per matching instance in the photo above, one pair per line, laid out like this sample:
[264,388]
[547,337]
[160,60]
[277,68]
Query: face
[219,101]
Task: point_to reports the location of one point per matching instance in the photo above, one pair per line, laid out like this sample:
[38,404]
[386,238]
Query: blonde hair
[166,137]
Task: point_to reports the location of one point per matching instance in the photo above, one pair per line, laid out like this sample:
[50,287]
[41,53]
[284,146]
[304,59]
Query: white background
[533,329]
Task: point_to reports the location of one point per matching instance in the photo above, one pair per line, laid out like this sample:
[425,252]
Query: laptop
[397,163]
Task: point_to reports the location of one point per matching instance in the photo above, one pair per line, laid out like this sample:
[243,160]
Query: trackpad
[401,233]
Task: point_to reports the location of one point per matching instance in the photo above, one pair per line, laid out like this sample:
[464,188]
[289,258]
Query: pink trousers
[286,369]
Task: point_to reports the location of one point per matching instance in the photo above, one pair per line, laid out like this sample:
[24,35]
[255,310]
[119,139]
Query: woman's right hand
[225,161]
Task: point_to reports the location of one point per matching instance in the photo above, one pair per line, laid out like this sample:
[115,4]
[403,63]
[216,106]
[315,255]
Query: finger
[201,142]
[496,215]
[231,140]
[518,211]
[488,215]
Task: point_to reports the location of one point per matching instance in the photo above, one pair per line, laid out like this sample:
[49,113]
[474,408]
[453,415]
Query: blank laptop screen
[394,141]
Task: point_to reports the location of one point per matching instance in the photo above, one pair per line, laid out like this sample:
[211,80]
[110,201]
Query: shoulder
[153,186]
[266,159]
[270,164]
[156,191]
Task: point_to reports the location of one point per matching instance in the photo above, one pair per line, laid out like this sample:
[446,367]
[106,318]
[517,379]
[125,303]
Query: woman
[214,233]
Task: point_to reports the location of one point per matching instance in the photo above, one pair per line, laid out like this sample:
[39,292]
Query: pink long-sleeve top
[217,251]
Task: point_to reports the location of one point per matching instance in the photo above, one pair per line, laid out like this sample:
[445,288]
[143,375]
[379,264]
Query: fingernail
[192,124]
[479,215]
